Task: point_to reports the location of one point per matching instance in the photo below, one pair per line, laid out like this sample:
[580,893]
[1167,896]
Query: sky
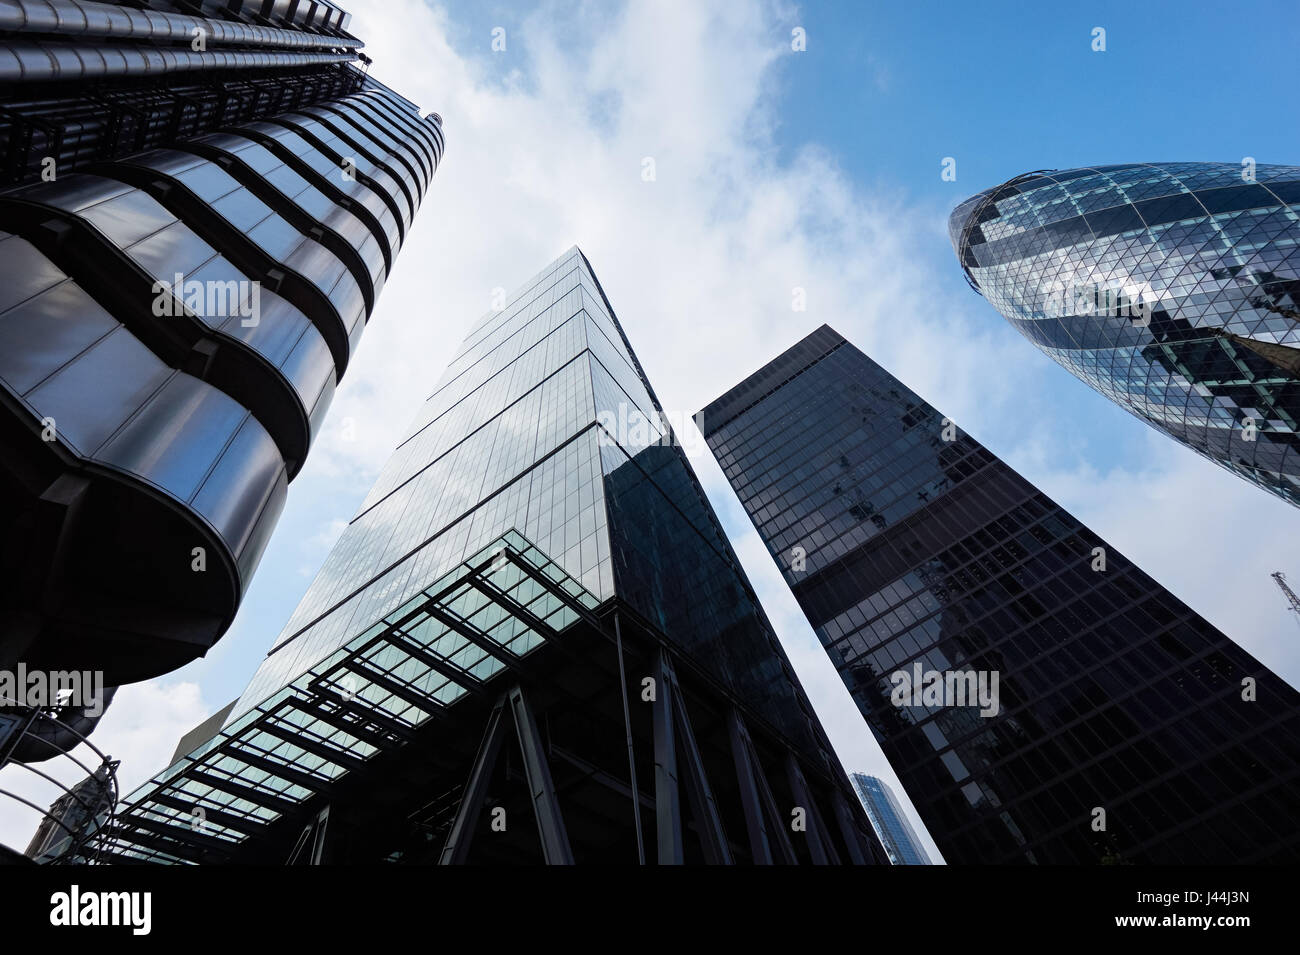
[778,169]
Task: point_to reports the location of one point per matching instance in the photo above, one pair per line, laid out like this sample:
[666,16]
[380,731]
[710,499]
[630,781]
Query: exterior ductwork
[75,18]
[33,61]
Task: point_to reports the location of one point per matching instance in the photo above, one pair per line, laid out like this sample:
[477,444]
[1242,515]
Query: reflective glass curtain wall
[543,433]
[544,423]
[908,544]
[1171,288]
[505,441]
[887,818]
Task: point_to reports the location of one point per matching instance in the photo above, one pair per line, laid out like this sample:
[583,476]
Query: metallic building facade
[1172,288]
[1125,727]
[535,611]
[888,819]
[177,303]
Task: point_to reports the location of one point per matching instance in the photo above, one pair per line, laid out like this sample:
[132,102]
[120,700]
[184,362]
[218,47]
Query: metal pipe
[84,18]
[631,751]
[44,813]
[31,60]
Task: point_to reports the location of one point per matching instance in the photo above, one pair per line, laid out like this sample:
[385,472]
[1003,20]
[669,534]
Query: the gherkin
[1171,288]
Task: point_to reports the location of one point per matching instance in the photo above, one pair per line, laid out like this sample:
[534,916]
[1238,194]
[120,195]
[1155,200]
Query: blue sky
[777,169]
[1009,87]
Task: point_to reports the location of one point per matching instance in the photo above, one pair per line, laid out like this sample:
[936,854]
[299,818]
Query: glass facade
[1125,728]
[537,534]
[892,828]
[543,423]
[1173,289]
[177,305]
[505,441]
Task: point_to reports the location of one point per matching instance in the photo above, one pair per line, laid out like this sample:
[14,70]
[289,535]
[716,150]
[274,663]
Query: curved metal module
[1173,289]
[118,467]
[28,61]
[88,19]
[175,317]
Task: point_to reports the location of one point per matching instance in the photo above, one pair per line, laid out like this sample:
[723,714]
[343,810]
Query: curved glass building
[1171,288]
[190,251]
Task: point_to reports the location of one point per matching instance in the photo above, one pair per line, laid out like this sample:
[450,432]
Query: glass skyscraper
[534,612]
[888,819]
[1171,288]
[1041,698]
[200,213]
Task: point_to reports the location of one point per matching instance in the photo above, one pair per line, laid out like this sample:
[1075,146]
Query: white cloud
[140,727]
[545,148]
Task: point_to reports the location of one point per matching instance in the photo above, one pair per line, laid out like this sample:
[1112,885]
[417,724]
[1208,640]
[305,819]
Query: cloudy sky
[775,170]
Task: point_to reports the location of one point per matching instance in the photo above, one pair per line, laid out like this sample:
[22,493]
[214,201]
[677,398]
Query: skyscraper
[890,822]
[532,643]
[1040,697]
[1172,288]
[177,304]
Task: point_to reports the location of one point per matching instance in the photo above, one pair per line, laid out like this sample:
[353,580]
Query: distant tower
[1291,598]
[895,832]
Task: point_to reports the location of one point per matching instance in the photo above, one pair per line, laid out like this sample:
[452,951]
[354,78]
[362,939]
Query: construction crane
[1291,598]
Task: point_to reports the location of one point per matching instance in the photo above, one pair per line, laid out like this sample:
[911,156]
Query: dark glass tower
[1172,288]
[177,304]
[1124,726]
[891,825]
[535,618]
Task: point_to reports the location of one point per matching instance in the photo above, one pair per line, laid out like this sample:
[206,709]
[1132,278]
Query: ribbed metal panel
[176,432]
[26,61]
[78,18]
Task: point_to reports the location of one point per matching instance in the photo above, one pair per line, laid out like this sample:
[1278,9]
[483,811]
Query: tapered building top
[890,822]
[537,552]
[543,397]
[1171,288]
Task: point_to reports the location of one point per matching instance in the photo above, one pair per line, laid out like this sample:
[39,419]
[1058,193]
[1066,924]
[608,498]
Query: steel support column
[760,844]
[750,768]
[819,843]
[858,852]
[668,806]
[704,808]
[546,806]
[310,847]
[631,750]
[456,848]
